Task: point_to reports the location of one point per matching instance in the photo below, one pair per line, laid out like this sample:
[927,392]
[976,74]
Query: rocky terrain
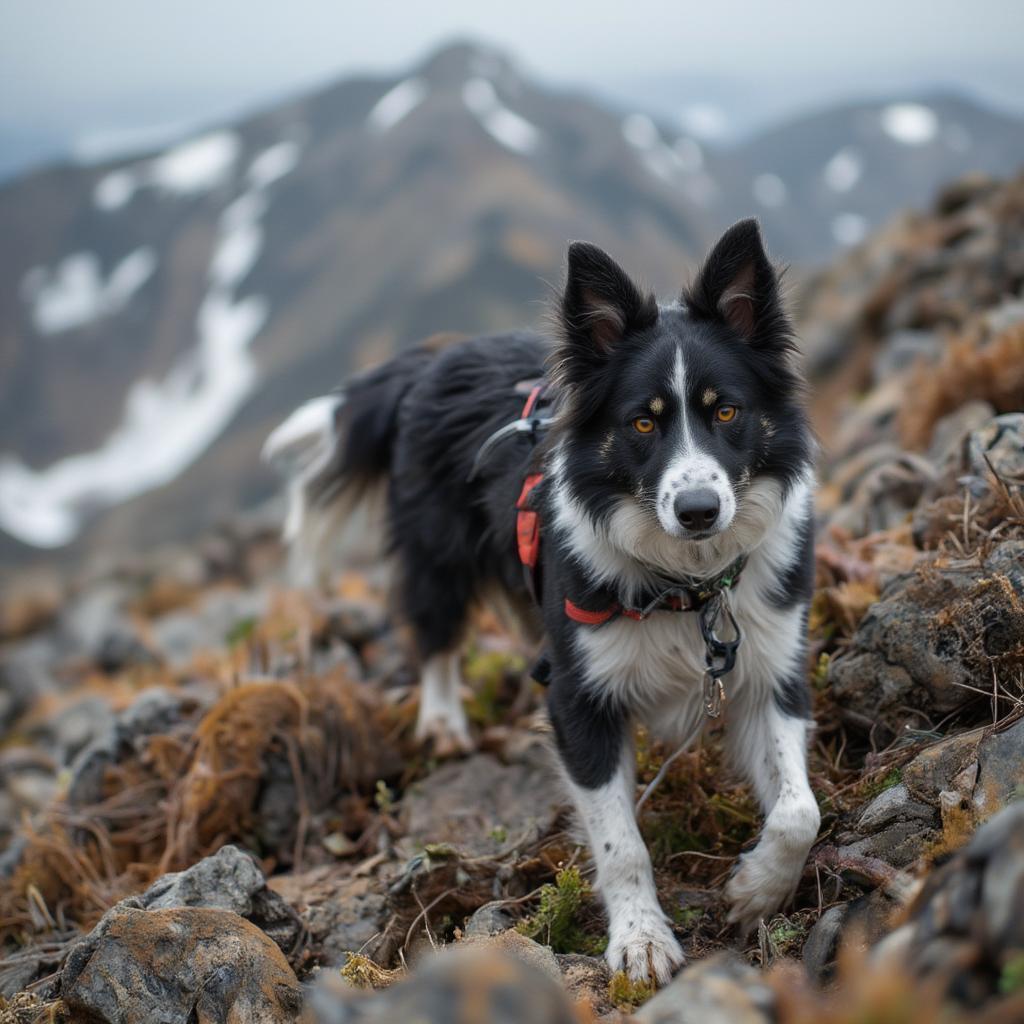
[211,806]
[198,293]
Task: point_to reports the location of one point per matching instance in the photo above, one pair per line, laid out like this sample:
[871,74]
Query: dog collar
[688,595]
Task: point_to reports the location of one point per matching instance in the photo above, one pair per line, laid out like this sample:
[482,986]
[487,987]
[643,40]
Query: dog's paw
[445,737]
[760,888]
[645,948]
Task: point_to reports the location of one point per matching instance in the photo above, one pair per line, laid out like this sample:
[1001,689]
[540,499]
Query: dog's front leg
[598,755]
[767,736]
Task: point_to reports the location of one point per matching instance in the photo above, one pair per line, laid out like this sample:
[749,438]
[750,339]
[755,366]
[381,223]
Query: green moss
[240,632]
[555,921]
[628,995]
[820,677]
[384,798]
[487,672]
[665,835]
[1011,979]
[688,917]
[893,777]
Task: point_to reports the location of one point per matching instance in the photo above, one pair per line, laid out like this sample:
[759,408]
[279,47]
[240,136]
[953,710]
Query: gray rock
[154,711]
[464,984]
[28,671]
[822,942]
[722,988]
[180,635]
[228,880]
[490,919]
[178,966]
[1000,770]
[465,802]
[1001,442]
[902,349]
[893,827]
[926,643]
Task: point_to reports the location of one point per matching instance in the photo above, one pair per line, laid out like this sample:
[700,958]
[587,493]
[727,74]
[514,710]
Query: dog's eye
[726,413]
[643,425]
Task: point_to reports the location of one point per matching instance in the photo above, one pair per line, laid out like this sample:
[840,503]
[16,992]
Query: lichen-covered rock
[182,966]
[966,925]
[722,988]
[932,642]
[228,880]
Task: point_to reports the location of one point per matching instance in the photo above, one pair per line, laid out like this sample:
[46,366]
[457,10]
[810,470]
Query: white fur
[690,469]
[640,939]
[441,715]
[346,528]
[771,749]
[656,666]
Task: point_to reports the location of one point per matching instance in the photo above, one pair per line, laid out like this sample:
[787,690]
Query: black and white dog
[676,478]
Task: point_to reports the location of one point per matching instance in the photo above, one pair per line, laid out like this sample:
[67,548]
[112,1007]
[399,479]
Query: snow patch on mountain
[849,228]
[397,104]
[844,170]
[166,424]
[503,125]
[912,124]
[198,165]
[669,163]
[770,191]
[75,293]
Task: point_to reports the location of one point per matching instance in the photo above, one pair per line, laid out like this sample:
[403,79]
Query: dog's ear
[600,303]
[738,286]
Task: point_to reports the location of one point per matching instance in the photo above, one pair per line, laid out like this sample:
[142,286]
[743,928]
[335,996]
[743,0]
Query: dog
[670,487]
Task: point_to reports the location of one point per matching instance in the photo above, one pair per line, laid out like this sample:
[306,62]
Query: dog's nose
[697,510]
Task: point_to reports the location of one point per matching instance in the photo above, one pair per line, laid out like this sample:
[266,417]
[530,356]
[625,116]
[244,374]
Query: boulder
[722,988]
[932,643]
[464,984]
[480,804]
[187,965]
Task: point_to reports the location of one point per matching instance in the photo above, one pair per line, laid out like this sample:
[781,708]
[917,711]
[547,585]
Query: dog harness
[708,597]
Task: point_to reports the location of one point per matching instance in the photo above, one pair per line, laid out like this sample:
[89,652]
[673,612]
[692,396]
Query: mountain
[158,316]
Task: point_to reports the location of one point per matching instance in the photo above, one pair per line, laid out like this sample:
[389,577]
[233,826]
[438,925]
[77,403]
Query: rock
[1000,444]
[965,927]
[490,919]
[342,914]
[903,348]
[479,804]
[920,652]
[464,984]
[96,622]
[513,944]
[183,966]
[1000,775]
[893,827]
[822,941]
[154,711]
[228,880]
[722,988]
[180,635]
[586,980]
[28,671]
[867,918]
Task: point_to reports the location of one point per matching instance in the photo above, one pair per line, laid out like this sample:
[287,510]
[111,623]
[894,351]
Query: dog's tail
[335,453]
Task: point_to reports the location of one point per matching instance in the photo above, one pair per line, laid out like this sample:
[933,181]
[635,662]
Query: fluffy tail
[335,453]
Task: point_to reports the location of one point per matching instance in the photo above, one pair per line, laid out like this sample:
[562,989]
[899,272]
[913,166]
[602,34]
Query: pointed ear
[600,303]
[738,286]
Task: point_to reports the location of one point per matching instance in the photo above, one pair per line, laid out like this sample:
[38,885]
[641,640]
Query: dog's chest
[657,666]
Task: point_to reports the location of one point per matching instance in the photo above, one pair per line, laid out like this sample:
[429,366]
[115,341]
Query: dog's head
[678,418]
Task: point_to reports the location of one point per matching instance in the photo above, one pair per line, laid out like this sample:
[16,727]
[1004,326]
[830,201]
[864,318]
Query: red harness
[527,518]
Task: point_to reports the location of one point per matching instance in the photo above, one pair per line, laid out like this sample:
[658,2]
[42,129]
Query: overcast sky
[98,66]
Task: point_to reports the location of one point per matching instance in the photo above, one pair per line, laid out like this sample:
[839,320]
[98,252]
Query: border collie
[675,476]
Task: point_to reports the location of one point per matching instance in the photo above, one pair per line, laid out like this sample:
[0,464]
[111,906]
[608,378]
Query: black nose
[697,510]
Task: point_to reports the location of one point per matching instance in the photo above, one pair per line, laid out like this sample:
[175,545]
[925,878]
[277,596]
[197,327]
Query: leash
[529,424]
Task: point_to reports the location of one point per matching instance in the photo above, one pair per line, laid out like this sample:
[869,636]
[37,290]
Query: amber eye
[643,424]
[726,413]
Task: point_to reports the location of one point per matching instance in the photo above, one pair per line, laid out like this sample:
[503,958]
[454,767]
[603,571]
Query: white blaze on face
[690,469]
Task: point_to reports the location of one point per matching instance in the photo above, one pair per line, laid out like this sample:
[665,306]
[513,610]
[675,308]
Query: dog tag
[714,695]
